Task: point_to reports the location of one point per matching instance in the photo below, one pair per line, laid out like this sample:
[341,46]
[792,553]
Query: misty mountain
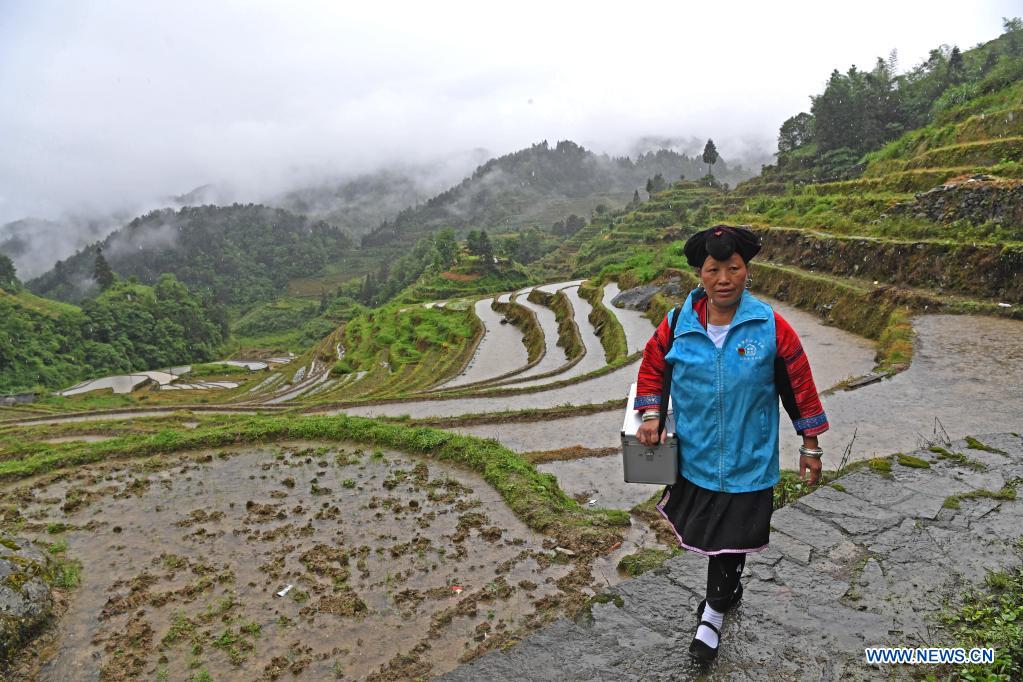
[34,245]
[239,253]
[538,185]
[360,204]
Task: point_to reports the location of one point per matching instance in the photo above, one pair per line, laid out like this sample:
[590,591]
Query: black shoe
[699,650]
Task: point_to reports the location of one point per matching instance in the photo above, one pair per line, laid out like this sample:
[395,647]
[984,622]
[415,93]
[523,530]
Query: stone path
[869,564]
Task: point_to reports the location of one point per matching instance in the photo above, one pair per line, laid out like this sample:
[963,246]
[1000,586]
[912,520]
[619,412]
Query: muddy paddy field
[398,566]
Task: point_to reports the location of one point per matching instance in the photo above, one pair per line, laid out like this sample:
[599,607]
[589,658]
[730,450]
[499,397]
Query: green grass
[989,618]
[612,335]
[405,333]
[568,330]
[1007,493]
[607,598]
[881,465]
[30,301]
[911,461]
[181,627]
[468,279]
[65,573]
[975,444]
[644,560]
[957,458]
[212,369]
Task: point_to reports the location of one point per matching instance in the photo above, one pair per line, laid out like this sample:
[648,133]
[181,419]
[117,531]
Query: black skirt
[712,522]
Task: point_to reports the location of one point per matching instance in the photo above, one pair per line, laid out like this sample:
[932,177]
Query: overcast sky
[113,104]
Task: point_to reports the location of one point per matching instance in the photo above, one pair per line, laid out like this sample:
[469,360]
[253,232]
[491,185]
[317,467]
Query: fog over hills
[356,204]
[360,204]
[115,106]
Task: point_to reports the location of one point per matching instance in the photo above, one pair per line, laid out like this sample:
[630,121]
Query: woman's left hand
[813,466]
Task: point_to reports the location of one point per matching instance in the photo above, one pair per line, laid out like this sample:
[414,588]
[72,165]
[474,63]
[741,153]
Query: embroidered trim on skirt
[712,522]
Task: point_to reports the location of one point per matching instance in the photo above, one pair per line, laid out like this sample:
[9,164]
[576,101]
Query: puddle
[301,383]
[639,536]
[181,566]
[594,358]
[499,352]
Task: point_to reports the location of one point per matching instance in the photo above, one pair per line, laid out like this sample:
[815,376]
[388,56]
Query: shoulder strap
[666,378]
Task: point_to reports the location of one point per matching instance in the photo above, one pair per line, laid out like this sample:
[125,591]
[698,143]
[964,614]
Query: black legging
[723,573]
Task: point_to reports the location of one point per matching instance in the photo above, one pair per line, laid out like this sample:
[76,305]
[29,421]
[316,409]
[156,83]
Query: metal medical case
[644,463]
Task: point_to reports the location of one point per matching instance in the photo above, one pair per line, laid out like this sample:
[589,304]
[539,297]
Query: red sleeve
[651,370]
[794,381]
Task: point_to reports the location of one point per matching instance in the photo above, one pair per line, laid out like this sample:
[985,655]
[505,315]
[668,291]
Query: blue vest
[725,401]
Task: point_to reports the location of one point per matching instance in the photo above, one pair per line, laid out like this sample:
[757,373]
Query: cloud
[114,105]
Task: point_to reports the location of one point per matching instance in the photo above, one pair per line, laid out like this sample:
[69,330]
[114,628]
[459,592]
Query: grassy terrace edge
[533,497]
[606,323]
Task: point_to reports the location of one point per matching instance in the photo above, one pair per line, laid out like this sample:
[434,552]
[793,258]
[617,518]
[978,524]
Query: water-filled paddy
[834,354]
[500,350]
[181,562]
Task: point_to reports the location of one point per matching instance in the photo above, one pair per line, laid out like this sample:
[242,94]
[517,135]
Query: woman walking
[732,357]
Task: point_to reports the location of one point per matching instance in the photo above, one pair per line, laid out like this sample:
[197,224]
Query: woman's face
[724,280]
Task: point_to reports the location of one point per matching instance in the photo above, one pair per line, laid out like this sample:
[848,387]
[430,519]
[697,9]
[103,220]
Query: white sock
[704,633]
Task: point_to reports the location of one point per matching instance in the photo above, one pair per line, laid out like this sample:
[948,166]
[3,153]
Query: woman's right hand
[647,433]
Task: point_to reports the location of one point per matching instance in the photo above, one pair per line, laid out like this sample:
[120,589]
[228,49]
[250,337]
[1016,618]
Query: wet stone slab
[872,566]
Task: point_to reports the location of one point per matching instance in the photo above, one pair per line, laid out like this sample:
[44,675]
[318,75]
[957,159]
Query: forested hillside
[359,205]
[540,185]
[860,111]
[128,327]
[240,254]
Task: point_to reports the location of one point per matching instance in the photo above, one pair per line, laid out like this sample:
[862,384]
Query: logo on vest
[750,349]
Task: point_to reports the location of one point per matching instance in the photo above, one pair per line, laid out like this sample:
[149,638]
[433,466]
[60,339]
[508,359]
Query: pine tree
[486,249]
[8,275]
[956,67]
[102,273]
[369,289]
[710,156]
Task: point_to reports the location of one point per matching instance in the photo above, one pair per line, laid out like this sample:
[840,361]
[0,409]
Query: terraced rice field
[400,566]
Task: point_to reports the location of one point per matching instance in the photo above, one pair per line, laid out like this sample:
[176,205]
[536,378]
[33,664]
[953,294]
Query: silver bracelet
[651,415]
[810,452]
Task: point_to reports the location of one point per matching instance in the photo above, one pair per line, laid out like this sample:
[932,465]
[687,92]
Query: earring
[749,282]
